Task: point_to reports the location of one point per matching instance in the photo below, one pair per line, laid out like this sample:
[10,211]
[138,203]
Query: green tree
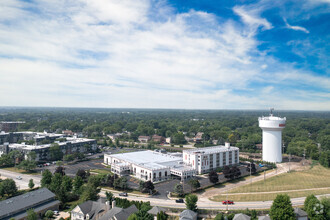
[281,208]
[49,214]
[68,157]
[133,217]
[31,215]
[325,201]
[315,209]
[55,152]
[8,187]
[55,185]
[325,159]
[6,160]
[219,217]
[213,177]
[194,183]
[27,165]
[178,189]
[162,216]
[191,202]
[46,179]
[31,184]
[77,185]
[307,200]
[90,192]
[109,196]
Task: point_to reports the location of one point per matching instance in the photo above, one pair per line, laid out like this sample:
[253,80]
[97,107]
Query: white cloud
[115,54]
[252,17]
[296,28]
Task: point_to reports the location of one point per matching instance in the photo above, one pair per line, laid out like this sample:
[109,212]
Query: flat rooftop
[210,150]
[148,159]
[33,147]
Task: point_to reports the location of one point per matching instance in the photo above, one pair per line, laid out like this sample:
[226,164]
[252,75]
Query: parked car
[261,165]
[56,213]
[179,201]
[227,202]
[123,194]
[19,177]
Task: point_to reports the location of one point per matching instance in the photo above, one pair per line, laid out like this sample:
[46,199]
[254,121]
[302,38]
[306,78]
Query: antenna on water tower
[271,111]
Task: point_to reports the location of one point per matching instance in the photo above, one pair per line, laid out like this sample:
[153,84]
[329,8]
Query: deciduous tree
[281,208]
[191,202]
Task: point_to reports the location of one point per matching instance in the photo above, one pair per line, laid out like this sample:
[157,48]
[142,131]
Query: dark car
[123,194]
[227,202]
[179,201]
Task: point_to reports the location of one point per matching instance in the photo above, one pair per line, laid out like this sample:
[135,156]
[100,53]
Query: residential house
[188,215]
[198,137]
[40,200]
[144,139]
[241,216]
[117,213]
[300,214]
[158,139]
[265,217]
[90,210]
[155,210]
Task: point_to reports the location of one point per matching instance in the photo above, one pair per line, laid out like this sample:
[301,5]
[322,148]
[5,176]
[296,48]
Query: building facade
[206,159]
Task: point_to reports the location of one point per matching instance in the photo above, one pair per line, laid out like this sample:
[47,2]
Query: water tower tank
[272,127]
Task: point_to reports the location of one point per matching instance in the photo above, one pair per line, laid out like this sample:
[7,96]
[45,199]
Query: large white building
[206,159]
[272,127]
[158,166]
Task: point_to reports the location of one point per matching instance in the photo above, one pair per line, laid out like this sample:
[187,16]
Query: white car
[19,177]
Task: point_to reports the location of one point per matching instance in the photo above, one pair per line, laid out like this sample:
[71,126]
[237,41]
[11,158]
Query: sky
[206,54]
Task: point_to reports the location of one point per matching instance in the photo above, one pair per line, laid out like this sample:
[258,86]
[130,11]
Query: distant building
[158,139]
[70,146]
[39,200]
[10,126]
[168,140]
[113,137]
[68,132]
[206,159]
[144,139]
[198,137]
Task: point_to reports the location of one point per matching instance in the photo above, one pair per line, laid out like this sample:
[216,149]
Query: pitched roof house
[89,210]
[39,200]
[188,215]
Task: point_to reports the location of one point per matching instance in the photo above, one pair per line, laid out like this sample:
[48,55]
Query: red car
[227,202]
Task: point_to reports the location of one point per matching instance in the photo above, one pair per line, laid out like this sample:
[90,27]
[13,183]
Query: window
[160,174]
[165,173]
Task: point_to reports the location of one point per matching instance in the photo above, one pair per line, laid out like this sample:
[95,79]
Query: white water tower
[272,127]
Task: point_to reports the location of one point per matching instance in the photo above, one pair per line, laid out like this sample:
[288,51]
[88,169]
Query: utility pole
[250,173]
[289,161]
[227,200]
[264,176]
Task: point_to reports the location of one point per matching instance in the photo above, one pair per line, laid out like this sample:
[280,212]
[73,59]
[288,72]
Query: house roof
[119,213]
[155,210]
[188,214]
[90,207]
[21,203]
[241,216]
[265,217]
[299,212]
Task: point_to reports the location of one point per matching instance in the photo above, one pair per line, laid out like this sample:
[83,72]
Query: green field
[313,178]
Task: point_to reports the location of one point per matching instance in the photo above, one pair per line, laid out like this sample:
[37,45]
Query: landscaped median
[313,180]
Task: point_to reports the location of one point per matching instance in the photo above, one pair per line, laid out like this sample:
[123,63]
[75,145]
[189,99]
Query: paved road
[208,205]
[24,182]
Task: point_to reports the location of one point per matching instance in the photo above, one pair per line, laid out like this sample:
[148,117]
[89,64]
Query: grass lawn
[13,169]
[315,177]
[268,196]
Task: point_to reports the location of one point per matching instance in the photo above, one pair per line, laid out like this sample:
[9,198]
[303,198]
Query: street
[24,182]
